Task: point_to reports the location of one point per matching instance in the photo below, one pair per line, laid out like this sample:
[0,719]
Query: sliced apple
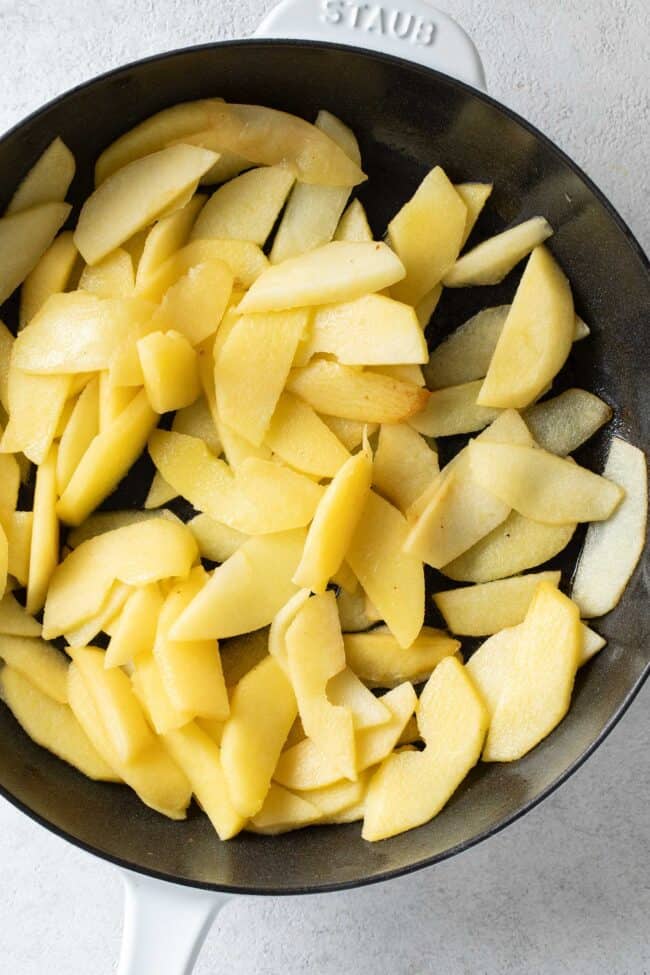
[135,631]
[490,606]
[465,354]
[47,181]
[107,521]
[379,660]
[282,812]
[353,224]
[346,690]
[427,305]
[44,666]
[245,208]
[44,550]
[196,303]
[474,196]
[565,422]
[216,541]
[245,260]
[17,527]
[356,612]
[277,640]
[167,236]
[170,370]
[299,436]
[24,238]
[15,620]
[150,690]
[490,261]
[51,275]
[239,654]
[112,277]
[453,410]
[80,430]
[404,465]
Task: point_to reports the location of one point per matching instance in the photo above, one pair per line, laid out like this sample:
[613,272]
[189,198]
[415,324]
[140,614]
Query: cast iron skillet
[407,119]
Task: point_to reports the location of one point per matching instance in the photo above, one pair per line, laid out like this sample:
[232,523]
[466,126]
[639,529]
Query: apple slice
[353,225]
[612,549]
[565,422]
[282,812]
[347,690]
[39,662]
[216,541]
[80,430]
[112,277]
[404,465]
[170,370]
[298,435]
[379,660]
[465,354]
[491,606]
[17,529]
[135,630]
[490,261]
[47,181]
[44,550]
[453,410]
[24,238]
[245,208]
[15,620]
[474,196]
[167,236]
[50,276]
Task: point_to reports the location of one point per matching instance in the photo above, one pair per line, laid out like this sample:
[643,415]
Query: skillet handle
[165,925]
[409,29]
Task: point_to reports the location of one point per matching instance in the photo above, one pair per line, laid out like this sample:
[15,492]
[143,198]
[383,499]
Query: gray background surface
[565,890]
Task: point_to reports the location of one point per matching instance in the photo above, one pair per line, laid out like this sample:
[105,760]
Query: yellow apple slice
[349,432]
[536,337]
[9,483]
[135,631]
[112,277]
[453,410]
[465,354]
[24,238]
[32,431]
[252,367]
[52,725]
[51,275]
[299,436]
[353,224]
[245,260]
[490,606]
[427,305]
[565,422]
[44,550]
[490,261]
[17,526]
[277,641]
[313,212]
[6,348]
[282,812]
[15,620]
[427,234]
[40,663]
[241,653]
[315,654]
[80,430]
[346,690]
[392,578]
[167,236]
[263,709]
[338,271]
[346,392]
[542,486]
[379,660]
[612,549]
[47,181]
[133,197]
[412,787]
[216,541]
[170,370]
[107,521]
[372,330]
[245,592]
[338,800]
[356,612]
[334,524]
[474,196]
[404,465]
[150,690]
[196,303]
[245,208]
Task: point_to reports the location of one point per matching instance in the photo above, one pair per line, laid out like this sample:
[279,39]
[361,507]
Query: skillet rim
[640,254]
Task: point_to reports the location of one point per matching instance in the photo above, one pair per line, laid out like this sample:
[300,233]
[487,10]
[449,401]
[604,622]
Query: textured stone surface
[566,889]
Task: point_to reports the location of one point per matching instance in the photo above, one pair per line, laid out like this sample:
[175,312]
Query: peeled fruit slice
[24,238]
[195,304]
[427,234]
[150,690]
[47,181]
[474,196]
[245,208]
[44,666]
[453,410]
[353,225]
[282,812]
[490,261]
[379,660]
[245,592]
[565,422]
[241,653]
[542,486]
[346,690]
[356,613]
[135,195]
[411,787]
[245,260]
[299,436]
[17,527]
[338,271]
[491,606]
[101,522]
[44,549]
[168,235]
[262,711]
[536,337]
[112,277]
[348,393]
[50,276]
[612,549]
[216,541]
[52,725]
[392,578]
[277,641]
[404,465]
[170,370]
[135,631]
[334,523]
[15,620]
[427,305]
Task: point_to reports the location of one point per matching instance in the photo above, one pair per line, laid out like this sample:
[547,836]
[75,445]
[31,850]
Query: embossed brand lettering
[377,19]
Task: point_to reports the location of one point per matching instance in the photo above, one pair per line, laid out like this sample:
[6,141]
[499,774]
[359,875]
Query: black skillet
[407,118]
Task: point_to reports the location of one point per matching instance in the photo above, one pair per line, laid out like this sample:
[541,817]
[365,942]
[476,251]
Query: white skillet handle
[409,29]
[165,925]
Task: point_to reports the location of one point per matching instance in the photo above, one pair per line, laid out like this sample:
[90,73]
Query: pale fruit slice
[427,305]
[245,208]
[80,430]
[612,549]
[44,666]
[47,181]
[490,261]
[411,787]
[407,372]
[592,643]
[51,275]
[277,641]
[52,725]
[107,521]
[135,631]
[252,367]
[4,561]
[262,710]
[15,620]
[17,526]
[133,197]
[335,521]
[245,260]
[196,303]
[338,271]
[465,354]
[167,236]
[379,660]
[535,676]
[353,225]
[304,766]
[372,330]
[108,458]
[119,710]
[200,758]
[112,277]
[491,606]
[356,613]
[150,690]
[83,634]
[404,465]
[339,800]
[6,347]
[9,483]
[241,653]
[474,196]
[349,432]
[392,578]
[348,691]
[564,423]
[170,370]
[536,337]
[345,578]
[282,812]
[315,654]
[542,486]
[216,541]
[427,234]
[245,592]
[515,545]
[154,776]
[313,212]
[24,238]
[44,550]
[299,436]
[343,391]
[453,410]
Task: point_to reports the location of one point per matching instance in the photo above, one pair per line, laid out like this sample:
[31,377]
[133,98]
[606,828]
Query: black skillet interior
[407,120]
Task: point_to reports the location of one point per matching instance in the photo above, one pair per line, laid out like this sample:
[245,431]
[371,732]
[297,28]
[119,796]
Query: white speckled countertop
[565,890]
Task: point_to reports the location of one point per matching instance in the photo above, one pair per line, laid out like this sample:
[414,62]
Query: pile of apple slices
[262,654]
